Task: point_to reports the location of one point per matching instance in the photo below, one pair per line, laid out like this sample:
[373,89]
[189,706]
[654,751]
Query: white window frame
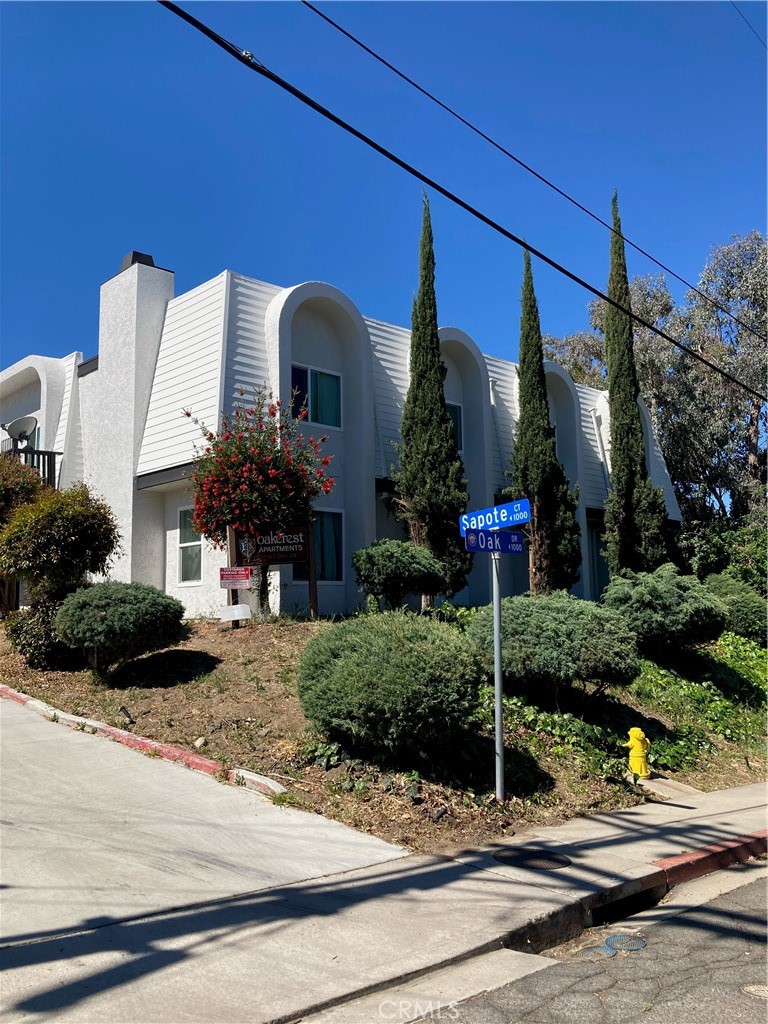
[186,544]
[331,373]
[342,561]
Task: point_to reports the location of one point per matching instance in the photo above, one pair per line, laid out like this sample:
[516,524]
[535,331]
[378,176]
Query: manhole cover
[535,860]
[625,942]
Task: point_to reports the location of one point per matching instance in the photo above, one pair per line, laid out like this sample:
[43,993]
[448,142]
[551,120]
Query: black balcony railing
[43,462]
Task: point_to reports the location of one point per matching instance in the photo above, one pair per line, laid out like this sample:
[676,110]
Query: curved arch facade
[315,327]
[467,386]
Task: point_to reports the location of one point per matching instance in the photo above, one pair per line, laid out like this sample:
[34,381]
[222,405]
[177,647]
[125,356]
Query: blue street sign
[507,542]
[497,517]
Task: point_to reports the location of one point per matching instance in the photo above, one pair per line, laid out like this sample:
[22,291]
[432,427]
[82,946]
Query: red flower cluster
[257,471]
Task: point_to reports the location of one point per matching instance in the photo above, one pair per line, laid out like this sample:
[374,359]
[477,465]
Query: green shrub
[394,683]
[556,640]
[388,570]
[115,622]
[19,484]
[57,540]
[31,633]
[666,610]
[745,609]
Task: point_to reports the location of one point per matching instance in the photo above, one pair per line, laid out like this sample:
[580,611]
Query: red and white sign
[236,577]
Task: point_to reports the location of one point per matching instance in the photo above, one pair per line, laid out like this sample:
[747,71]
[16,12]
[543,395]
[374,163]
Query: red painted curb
[164,750]
[695,863]
[14,695]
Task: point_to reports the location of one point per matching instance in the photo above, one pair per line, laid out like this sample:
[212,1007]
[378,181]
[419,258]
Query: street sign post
[483,531]
[503,542]
[497,517]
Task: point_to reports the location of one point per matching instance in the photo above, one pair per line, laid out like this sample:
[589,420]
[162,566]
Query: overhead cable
[746,22]
[525,166]
[246,57]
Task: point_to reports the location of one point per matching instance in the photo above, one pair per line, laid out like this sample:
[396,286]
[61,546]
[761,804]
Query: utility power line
[525,166]
[746,21]
[246,58]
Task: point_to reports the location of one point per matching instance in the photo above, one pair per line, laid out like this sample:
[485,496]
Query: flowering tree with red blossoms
[261,470]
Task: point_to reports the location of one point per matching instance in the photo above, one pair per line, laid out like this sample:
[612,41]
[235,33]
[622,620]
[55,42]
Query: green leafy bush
[19,484]
[697,702]
[666,610]
[388,570]
[558,639]
[745,609]
[57,540]
[681,750]
[738,666]
[31,633]
[115,622]
[393,683]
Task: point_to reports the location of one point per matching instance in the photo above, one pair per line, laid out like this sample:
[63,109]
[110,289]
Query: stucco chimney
[114,400]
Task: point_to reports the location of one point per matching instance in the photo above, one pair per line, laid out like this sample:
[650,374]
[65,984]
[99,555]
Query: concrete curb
[239,776]
[570,920]
[695,863]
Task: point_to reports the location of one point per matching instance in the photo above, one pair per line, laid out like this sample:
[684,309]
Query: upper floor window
[322,393]
[454,411]
[190,549]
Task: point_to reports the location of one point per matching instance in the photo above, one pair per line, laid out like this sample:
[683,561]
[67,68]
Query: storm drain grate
[535,860]
[597,952]
[611,946]
[629,942]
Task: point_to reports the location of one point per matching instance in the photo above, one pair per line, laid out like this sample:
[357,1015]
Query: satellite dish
[21,429]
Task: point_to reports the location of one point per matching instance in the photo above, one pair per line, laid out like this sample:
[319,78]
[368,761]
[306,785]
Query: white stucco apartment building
[117,422]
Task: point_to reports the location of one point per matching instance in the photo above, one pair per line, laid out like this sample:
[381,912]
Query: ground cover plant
[232,695]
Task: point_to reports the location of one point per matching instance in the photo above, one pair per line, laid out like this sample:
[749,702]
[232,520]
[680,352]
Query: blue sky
[123,128]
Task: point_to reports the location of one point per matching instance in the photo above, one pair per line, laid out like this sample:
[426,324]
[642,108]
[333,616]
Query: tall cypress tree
[431,485]
[635,512]
[553,533]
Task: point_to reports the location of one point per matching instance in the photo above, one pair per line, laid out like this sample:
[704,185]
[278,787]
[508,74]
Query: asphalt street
[705,964]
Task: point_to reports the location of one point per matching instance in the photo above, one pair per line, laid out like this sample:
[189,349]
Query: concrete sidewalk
[303,914]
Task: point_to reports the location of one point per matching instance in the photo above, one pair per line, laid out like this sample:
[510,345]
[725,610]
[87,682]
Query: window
[328,550]
[454,411]
[322,393]
[190,549]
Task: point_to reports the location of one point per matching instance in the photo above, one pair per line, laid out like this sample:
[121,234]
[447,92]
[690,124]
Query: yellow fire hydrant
[638,753]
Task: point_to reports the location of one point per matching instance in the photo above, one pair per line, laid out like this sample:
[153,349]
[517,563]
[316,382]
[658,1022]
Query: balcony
[43,462]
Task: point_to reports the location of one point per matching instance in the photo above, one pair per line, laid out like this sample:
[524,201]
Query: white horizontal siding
[246,363]
[391,348]
[187,376]
[504,412]
[593,487]
[69,436]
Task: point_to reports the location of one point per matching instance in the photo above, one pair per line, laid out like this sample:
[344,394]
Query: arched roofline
[456,334]
[50,374]
[284,306]
[556,370]
[21,374]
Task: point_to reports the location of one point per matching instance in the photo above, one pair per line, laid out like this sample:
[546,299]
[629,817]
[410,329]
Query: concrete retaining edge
[153,748]
[695,863]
